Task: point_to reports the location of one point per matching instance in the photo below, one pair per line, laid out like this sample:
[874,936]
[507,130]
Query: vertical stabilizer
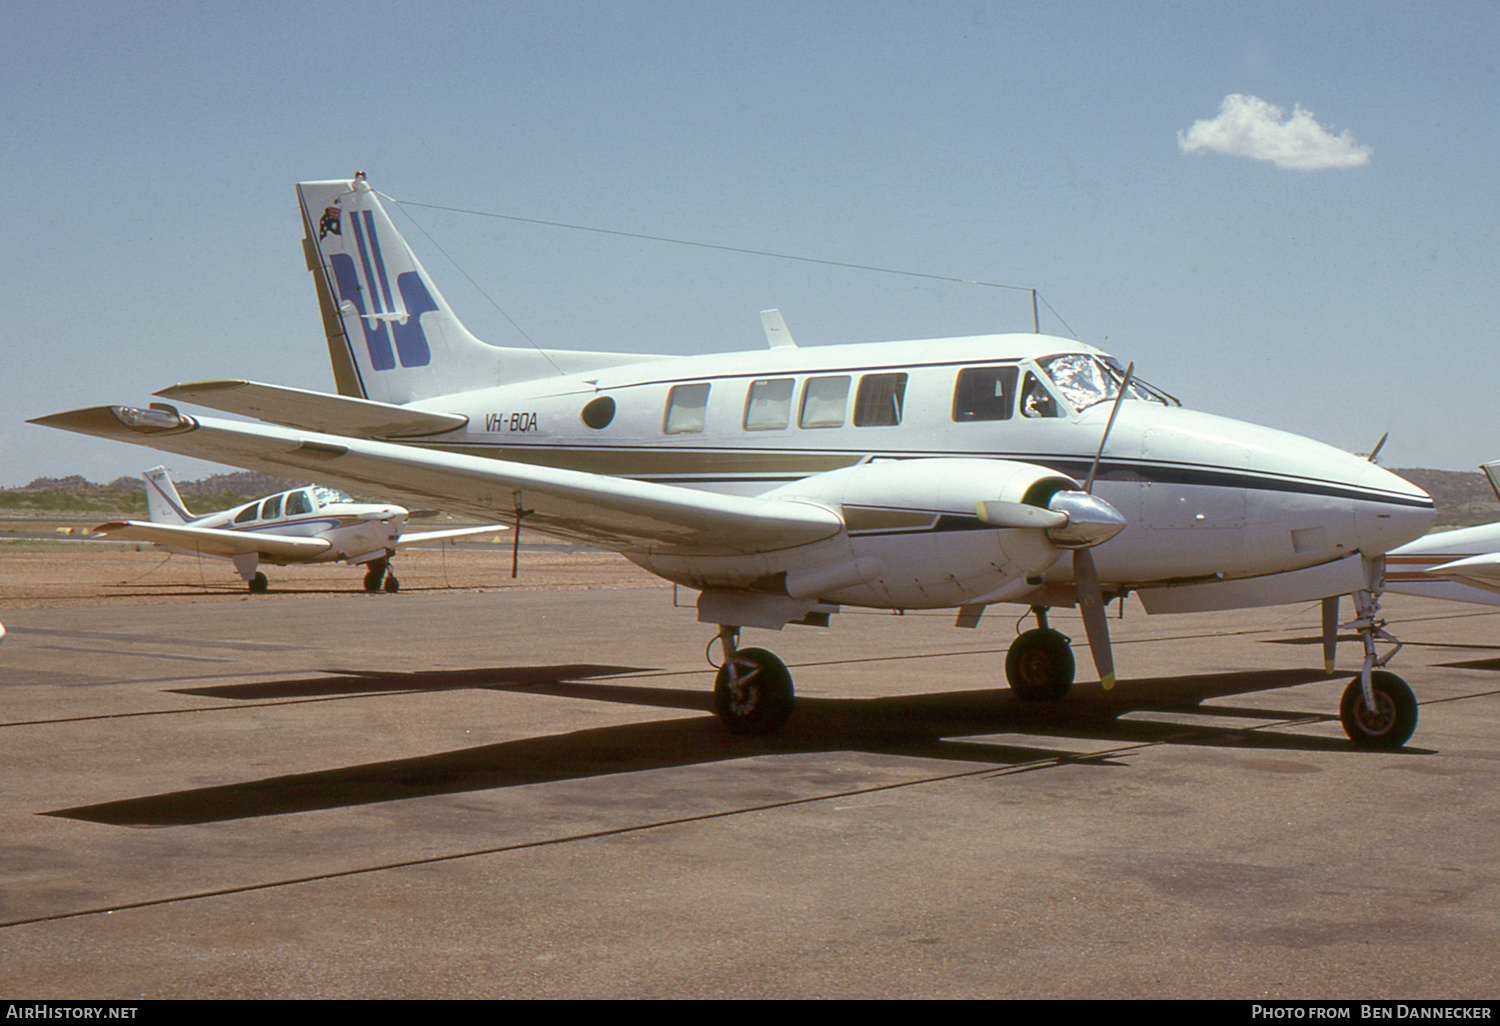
[391,335]
[162,499]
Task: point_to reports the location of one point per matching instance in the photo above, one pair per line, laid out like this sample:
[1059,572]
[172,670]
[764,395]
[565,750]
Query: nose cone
[1304,501]
[1393,511]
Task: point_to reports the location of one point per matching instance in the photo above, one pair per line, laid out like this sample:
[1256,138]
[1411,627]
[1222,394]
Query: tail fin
[162,499]
[391,335]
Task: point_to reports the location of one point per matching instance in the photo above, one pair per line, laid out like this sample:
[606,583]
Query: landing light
[148,420]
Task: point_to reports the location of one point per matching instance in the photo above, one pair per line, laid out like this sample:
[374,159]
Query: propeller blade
[1109,425]
[999,513]
[1330,632]
[1095,624]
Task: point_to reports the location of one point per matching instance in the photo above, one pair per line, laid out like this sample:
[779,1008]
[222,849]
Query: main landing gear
[753,690]
[1039,666]
[258,584]
[379,575]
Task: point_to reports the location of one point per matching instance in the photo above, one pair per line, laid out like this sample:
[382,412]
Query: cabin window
[768,406]
[1036,401]
[599,412]
[271,508]
[823,402]
[246,515]
[984,393]
[298,502]
[686,408]
[878,401]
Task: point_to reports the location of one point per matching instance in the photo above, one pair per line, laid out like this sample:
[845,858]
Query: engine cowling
[913,537]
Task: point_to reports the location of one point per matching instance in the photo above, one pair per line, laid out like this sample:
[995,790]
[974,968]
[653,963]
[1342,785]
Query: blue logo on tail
[380,328]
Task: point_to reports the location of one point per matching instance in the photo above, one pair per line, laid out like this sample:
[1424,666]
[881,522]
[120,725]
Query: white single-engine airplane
[787,482]
[305,525]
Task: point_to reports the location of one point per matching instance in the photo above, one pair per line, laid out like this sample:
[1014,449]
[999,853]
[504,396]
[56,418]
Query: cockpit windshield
[1085,380]
[326,496]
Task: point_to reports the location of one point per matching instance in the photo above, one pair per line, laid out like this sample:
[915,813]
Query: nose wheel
[379,576]
[1393,719]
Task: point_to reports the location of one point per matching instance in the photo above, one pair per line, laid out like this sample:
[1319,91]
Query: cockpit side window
[984,393]
[1036,401]
[298,502]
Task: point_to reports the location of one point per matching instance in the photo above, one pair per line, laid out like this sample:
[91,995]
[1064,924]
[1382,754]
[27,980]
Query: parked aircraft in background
[1462,565]
[783,484]
[305,525]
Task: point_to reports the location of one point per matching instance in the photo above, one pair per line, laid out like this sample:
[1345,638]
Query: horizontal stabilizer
[314,411]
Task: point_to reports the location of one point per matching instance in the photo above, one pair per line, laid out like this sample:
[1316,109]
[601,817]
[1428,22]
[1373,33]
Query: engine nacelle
[911,538]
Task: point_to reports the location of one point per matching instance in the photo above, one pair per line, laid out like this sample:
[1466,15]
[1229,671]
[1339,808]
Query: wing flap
[213,541]
[315,411]
[612,513]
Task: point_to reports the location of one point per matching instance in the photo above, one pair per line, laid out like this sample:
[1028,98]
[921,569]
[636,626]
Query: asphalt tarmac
[520,793]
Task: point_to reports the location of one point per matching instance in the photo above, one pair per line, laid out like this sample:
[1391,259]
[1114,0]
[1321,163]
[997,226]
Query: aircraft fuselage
[1205,497]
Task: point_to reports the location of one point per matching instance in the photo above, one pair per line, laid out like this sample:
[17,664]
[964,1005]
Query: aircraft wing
[418,537]
[214,542]
[1481,571]
[608,512]
[315,411]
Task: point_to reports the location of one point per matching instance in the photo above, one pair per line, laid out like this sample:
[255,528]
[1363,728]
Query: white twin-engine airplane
[305,525]
[787,482]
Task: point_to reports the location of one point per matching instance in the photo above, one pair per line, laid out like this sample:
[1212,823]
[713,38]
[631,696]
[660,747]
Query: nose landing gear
[379,575]
[1378,709]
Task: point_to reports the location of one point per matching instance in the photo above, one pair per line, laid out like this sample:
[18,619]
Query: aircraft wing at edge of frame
[418,537]
[612,513]
[1481,571]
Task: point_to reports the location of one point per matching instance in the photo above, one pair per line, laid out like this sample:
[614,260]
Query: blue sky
[152,236]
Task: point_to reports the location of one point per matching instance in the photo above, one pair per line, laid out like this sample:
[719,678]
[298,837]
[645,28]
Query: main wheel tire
[372,580]
[1039,666]
[760,702]
[259,584]
[1394,718]
[391,584]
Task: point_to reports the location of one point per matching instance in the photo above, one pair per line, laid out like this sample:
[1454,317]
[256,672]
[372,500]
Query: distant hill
[127,495]
[1463,497]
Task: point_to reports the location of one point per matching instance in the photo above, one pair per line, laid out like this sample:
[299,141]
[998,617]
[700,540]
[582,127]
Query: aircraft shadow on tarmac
[928,726]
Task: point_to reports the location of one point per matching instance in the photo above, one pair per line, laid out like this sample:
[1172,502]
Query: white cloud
[1248,126]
